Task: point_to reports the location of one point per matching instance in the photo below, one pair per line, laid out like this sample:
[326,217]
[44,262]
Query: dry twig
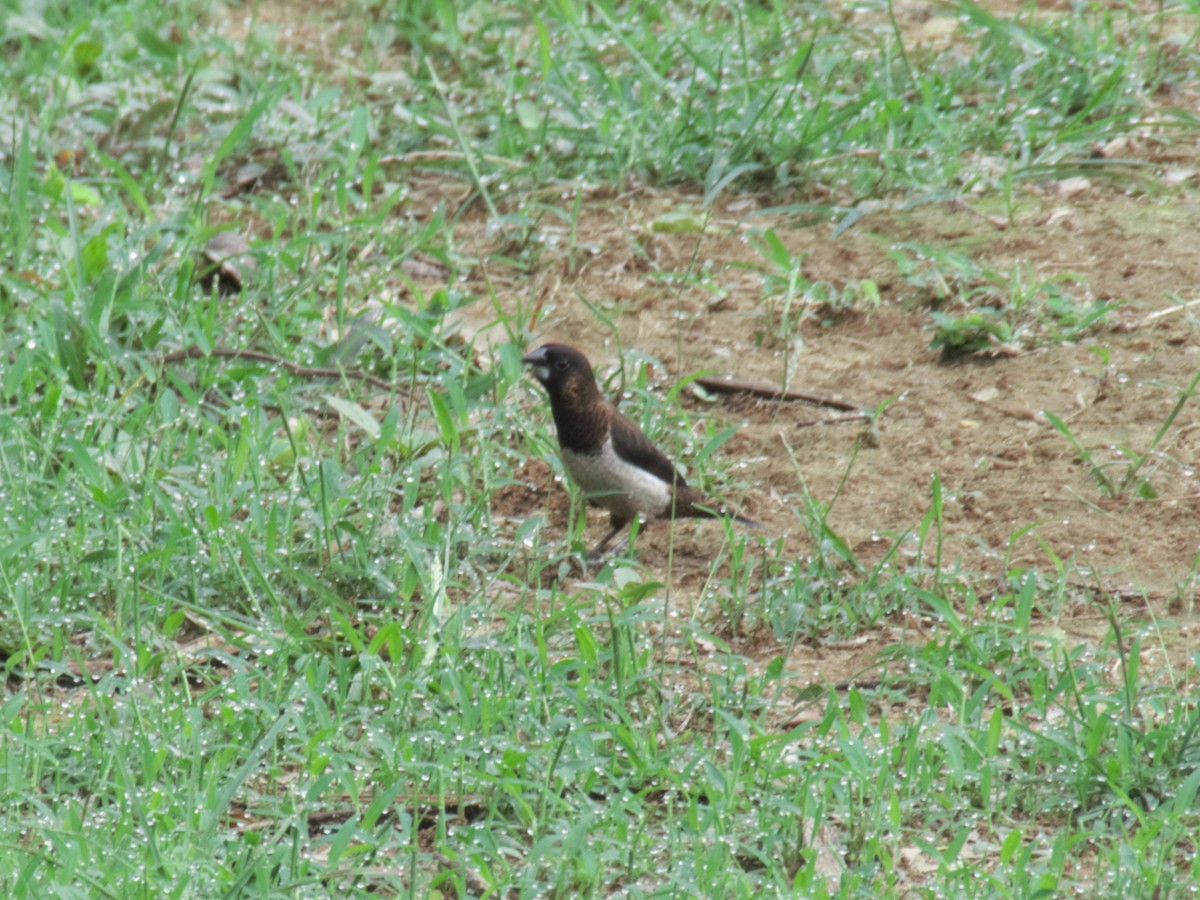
[724,386]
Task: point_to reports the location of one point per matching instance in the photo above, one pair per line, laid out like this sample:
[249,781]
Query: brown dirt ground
[977,423]
[1016,493]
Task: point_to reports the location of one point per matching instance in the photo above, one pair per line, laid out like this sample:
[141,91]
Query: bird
[606,455]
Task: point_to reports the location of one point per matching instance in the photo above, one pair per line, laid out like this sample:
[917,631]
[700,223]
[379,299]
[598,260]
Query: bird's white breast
[617,485]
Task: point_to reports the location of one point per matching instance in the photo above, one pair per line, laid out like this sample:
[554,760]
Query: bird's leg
[599,549]
[617,526]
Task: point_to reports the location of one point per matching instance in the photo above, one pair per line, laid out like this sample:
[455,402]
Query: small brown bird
[608,456]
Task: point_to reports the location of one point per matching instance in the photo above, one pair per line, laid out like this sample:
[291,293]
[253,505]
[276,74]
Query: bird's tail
[748,522]
[700,508]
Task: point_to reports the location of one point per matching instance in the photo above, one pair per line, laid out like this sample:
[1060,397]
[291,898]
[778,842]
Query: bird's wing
[635,448]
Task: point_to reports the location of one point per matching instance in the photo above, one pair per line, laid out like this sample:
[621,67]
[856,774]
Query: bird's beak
[538,362]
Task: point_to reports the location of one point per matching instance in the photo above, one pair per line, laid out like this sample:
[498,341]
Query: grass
[987,312]
[1131,481]
[262,632]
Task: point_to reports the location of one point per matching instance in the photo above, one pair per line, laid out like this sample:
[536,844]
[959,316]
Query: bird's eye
[561,365]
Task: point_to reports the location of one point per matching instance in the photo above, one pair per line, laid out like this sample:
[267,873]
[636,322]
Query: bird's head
[564,372]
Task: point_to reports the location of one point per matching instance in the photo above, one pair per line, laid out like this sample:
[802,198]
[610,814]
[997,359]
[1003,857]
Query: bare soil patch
[1016,492]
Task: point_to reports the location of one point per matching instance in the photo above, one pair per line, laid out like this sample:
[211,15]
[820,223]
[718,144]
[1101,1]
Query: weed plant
[264,632]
